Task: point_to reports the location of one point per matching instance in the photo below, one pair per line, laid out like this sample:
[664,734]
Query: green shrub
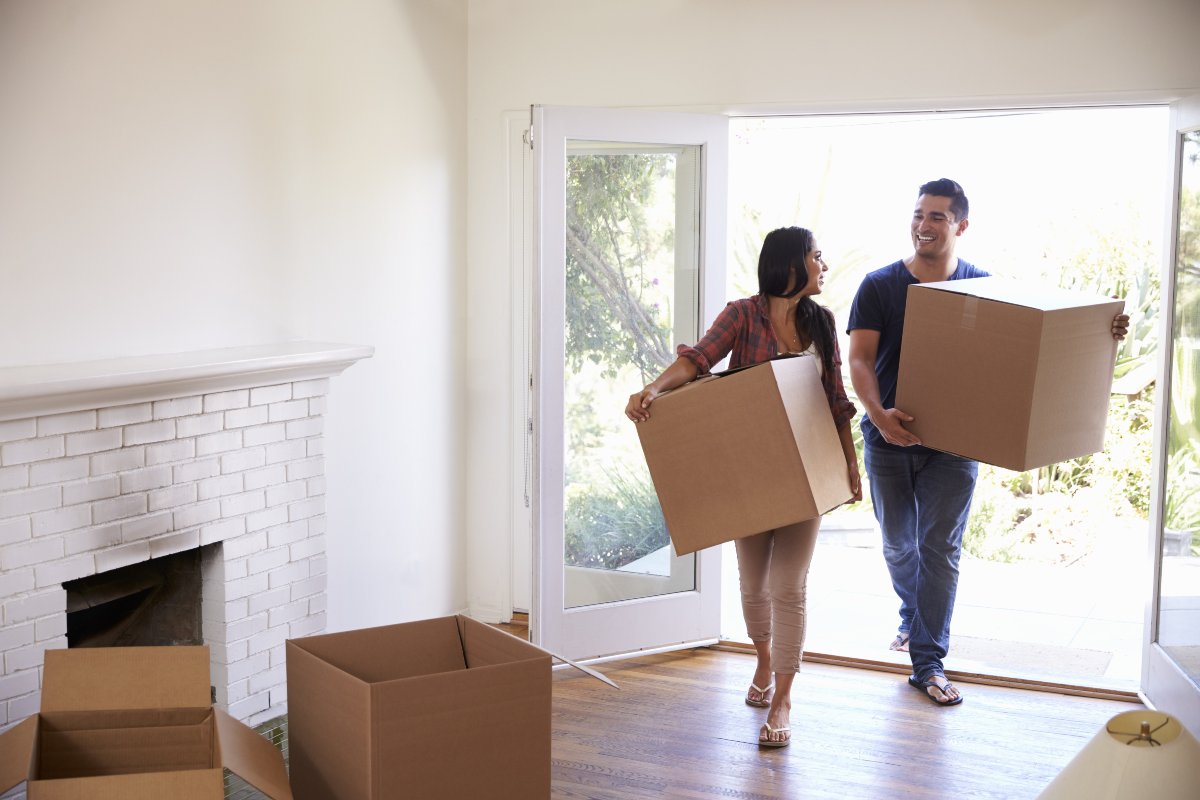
[611,524]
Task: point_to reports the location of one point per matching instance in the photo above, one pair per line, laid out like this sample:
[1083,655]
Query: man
[922,497]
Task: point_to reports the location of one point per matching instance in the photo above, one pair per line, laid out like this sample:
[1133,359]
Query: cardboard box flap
[334,706]
[744,367]
[16,753]
[482,643]
[373,655]
[200,784]
[1004,290]
[252,758]
[109,678]
[814,433]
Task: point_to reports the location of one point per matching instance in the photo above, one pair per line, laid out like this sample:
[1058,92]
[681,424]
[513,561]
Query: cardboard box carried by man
[1008,373]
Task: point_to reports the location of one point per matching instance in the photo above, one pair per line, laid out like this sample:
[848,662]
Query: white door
[1171,658]
[630,246]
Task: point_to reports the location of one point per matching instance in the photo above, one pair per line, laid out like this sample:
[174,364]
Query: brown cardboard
[133,722]
[1011,374]
[439,708]
[743,452]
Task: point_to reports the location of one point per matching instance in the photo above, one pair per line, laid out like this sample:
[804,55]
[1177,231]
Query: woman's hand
[679,373]
[855,482]
[638,407]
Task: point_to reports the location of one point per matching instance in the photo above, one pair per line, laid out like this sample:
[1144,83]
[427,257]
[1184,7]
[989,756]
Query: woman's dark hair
[785,250]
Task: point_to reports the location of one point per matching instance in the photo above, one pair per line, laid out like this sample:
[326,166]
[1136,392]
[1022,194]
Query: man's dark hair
[944,187]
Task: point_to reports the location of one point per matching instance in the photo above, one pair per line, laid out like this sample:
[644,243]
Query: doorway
[1052,582]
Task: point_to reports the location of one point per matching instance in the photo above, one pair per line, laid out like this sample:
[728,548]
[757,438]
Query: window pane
[630,290]
[1179,607]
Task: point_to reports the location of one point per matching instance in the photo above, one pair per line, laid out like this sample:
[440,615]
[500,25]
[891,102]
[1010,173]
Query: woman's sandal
[765,740]
[758,697]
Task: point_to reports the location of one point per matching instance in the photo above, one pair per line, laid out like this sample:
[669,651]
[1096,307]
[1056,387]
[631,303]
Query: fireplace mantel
[59,388]
[107,464]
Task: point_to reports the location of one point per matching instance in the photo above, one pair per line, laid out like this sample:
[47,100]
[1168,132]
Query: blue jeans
[922,501]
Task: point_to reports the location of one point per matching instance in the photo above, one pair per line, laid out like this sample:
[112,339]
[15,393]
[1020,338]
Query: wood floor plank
[678,728]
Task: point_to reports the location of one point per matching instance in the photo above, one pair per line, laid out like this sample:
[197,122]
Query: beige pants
[773,567]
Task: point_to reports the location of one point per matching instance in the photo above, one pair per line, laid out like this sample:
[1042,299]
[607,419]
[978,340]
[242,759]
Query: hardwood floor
[678,728]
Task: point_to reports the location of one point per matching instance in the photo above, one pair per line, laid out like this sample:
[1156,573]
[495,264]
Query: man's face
[934,228]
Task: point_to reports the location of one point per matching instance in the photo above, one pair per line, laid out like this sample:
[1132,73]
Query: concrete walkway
[1079,624]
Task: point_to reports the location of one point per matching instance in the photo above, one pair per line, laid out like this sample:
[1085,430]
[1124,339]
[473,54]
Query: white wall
[208,173]
[760,56]
[204,173]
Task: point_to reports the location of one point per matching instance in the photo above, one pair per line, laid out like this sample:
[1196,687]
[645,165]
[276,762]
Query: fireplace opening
[155,602]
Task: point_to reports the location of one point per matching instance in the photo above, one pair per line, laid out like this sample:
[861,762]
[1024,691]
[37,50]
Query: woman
[773,566]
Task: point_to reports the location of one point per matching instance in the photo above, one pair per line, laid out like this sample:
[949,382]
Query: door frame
[1164,685]
[670,621]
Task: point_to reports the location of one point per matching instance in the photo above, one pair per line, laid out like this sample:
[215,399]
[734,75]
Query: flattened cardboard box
[1007,373]
[744,452]
[133,723]
[439,708]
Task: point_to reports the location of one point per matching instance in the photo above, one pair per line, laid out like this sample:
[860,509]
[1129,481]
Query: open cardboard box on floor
[1011,374]
[133,722]
[438,708]
[744,451]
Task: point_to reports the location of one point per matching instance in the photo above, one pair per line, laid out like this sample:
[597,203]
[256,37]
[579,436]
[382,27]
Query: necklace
[785,328]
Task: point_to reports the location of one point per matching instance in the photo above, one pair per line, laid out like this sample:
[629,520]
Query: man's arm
[864,346]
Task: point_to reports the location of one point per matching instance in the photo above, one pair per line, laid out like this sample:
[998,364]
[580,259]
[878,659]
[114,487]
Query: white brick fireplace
[108,463]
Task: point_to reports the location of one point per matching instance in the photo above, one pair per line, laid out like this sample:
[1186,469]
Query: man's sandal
[924,686]
[758,697]
[900,643]
[765,740]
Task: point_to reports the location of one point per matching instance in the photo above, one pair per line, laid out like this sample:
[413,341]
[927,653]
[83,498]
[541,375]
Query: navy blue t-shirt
[879,306]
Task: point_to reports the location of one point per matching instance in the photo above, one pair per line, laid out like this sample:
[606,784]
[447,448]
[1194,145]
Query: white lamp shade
[1116,764]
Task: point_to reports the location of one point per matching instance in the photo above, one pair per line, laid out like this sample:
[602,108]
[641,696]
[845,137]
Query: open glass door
[1171,664]
[630,218]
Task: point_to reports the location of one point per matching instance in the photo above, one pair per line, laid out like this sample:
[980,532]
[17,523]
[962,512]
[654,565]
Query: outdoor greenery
[619,334]
[615,313]
[613,523]
[1057,514]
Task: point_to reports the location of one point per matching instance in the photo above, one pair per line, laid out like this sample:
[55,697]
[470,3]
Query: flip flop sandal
[762,701]
[765,732]
[900,643]
[923,688]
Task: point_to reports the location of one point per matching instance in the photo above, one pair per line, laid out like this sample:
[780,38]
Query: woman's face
[816,268]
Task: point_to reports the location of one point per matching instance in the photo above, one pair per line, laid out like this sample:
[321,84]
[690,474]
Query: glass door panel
[1171,669]
[631,260]
[1179,585]
[630,217]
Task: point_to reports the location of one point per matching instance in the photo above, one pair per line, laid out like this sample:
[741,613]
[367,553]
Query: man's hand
[890,423]
[1120,326]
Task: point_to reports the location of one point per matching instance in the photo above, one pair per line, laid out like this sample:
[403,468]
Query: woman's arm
[679,373]
[847,438]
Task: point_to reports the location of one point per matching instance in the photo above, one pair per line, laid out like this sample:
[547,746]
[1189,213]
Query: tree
[613,318]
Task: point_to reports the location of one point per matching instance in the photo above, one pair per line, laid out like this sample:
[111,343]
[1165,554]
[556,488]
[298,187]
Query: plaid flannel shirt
[743,332]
